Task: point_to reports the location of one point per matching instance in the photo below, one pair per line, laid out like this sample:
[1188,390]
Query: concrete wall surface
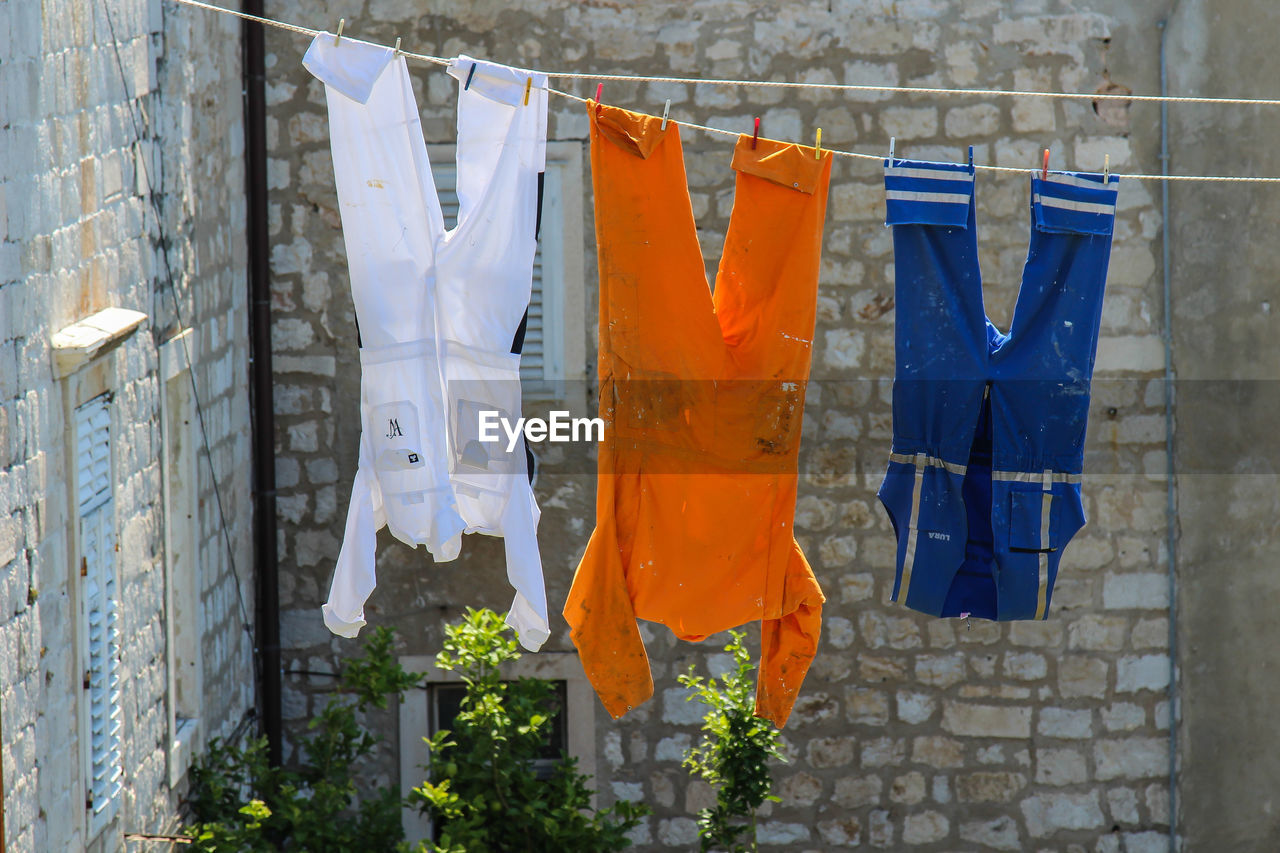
[1223,262]
[100,104]
[911,732]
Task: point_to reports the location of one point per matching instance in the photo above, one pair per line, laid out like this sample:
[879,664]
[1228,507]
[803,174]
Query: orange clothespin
[1044,169]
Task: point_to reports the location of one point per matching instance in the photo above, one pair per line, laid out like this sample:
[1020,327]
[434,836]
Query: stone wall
[79,121]
[911,732]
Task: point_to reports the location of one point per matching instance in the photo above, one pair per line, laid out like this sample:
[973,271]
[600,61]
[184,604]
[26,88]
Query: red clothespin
[755,137]
[599,91]
[1044,170]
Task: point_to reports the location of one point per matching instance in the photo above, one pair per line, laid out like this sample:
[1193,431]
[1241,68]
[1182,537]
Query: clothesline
[915,90]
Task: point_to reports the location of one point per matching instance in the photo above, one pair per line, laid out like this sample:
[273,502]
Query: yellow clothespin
[397,50]
[342,22]
[528,84]
[817,146]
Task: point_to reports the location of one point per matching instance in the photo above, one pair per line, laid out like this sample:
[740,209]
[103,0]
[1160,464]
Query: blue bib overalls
[983,484]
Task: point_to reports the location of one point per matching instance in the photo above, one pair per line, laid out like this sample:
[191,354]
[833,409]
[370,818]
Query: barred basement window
[445,701]
[425,711]
[99,612]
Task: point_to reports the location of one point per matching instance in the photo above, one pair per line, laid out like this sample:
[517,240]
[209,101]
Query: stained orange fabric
[702,397]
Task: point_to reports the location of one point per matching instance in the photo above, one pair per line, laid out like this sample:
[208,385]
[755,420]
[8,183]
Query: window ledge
[186,741]
[76,345]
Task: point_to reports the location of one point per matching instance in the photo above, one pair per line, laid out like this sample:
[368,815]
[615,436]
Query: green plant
[733,754]
[315,806]
[483,793]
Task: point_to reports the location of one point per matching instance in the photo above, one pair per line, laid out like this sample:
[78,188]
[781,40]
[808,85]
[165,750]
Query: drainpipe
[2,841]
[263,402]
[1171,496]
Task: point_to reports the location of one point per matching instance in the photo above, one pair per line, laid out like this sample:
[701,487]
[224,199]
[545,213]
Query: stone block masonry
[81,130]
[911,732]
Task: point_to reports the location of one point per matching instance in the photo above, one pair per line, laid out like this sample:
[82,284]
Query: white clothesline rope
[841,87]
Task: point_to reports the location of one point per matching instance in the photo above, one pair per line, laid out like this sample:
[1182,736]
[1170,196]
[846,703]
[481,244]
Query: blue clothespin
[470,74]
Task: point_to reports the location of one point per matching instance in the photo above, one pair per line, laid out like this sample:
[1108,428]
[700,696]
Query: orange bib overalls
[702,398]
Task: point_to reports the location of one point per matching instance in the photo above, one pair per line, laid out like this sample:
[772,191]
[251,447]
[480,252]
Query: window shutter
[532,358]
[100,601]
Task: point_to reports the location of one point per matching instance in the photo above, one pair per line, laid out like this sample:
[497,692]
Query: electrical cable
[138,129]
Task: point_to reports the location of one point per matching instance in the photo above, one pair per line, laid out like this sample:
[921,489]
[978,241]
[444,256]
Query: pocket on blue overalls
[930,502]
[1028,526]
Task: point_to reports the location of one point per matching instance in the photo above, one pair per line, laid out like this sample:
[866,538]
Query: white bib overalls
[437,311]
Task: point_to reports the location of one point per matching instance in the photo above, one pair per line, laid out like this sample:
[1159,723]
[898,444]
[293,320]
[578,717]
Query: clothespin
[756,136]
[1044,169]
[817,146]
[599,91]
[893,140]
[970,158]
[342,22]
[665,112]
[470,74]
[528,84]
[397,48]
[1106,168]
[968,625]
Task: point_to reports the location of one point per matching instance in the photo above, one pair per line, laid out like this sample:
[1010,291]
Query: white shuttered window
[553,364]
[99,608]
[540,358]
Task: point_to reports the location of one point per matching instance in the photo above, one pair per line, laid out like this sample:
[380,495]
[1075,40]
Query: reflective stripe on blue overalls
[983,484]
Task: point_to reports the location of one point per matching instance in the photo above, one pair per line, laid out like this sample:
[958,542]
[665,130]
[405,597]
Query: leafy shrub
[316,806]
[484,794]
[733,754]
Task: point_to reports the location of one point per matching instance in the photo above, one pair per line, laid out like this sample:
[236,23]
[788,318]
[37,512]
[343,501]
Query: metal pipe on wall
[263,400]
[1171,496]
